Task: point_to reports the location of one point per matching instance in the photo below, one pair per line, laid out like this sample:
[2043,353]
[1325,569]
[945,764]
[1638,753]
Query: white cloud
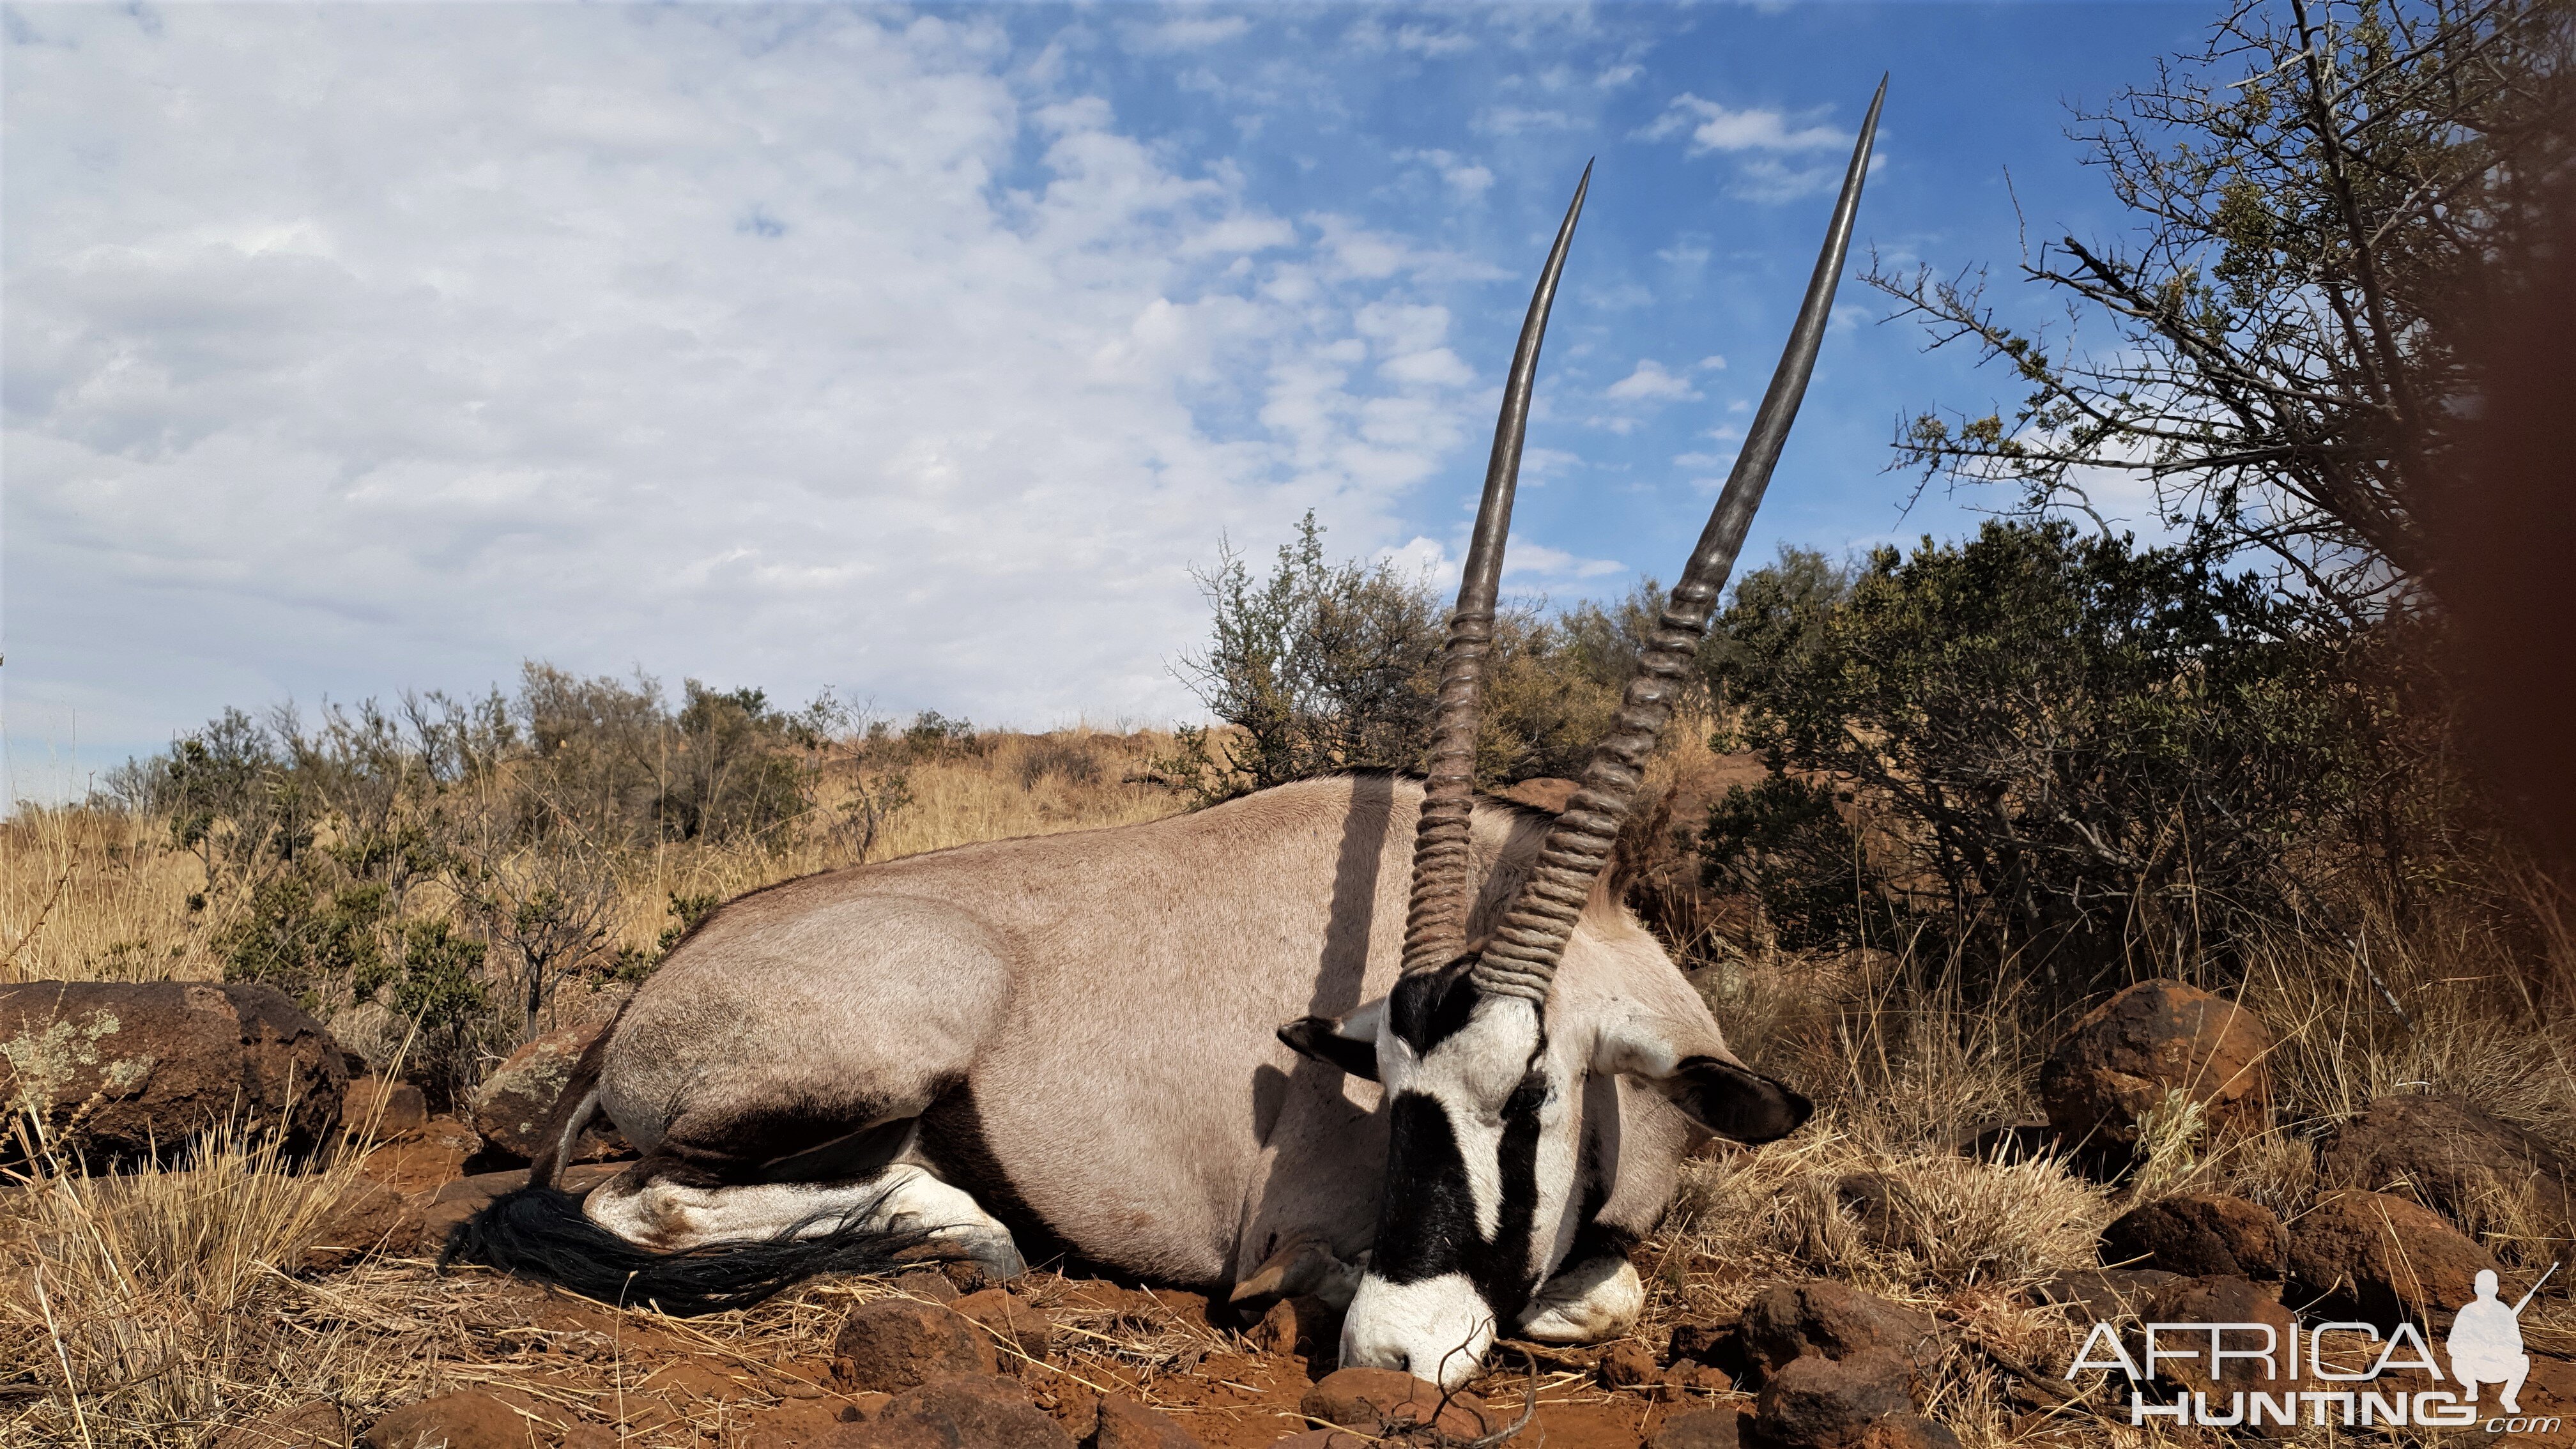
[1187,32]
[1516,120]
[1469,180]
[1714,127]
[1526,559]
[1651,383]
[788,350]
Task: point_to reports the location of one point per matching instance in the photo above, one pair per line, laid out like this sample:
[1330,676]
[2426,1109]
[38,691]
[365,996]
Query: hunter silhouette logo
[2485,1347]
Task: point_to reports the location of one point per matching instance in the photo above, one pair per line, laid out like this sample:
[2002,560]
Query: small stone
[377,1110]
[1908,1431]
[457,1421]
[2155,1040]
[984,1411]
[926,1285]
[1718,1344]
[1305,1325]
[893,1344]
[810,1424]
[1626,1365]
[1322,1439]
[2200,1235]
[366,1217]
[1013,1322]
[317,1425]
[1376,1400]
[1818,1403]
[2384,1259]
[1719,1428]
[1789,1321]
[1127,1424]
[686,1380]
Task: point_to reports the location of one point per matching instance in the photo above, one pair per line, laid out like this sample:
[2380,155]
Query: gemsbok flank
[1072,1046]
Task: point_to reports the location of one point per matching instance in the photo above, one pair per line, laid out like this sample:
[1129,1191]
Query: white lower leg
[668,1217]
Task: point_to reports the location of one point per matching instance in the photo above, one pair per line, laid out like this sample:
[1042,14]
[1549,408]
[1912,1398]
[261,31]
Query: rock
[1127,1424]
[2106,1295]
[2124,1057]
[1718,1343]
[436,1156]
[382,1111]
[1627,1365]
[1323,1439]
[119,1070]
[1305,1325]
[2221,1300]
[367,1217]
[1875,1201]
[1719,1428]
[810,1424]
[2382,1259]
[511,1107]
[453,1202]
[2455,1159]
[924,1284]
[317,1425]
[976,1412]
[1546,792]
[894,1343]
[457,1421]
[2013,1143]
[1908,1431]
[1013,1322]
[2200,1235]
[1817,1403]
[1374,1401]
[1789,1321]
[684,1379]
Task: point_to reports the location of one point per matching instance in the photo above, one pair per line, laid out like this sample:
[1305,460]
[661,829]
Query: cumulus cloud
[787,349]
[1650,382]
[1715,127]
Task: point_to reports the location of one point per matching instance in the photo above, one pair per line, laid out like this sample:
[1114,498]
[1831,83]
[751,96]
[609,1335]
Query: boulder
[2125,1057]
[378,1110]
[2444,1152]
[2200,1235]
[2382,1259]
[1014,1323]
[895,1343]
[1790,1321]
[1127,1424]
[317,1425]
[511,1106]
[455,1421]
[1719,1428]
[1375,1401]
[1305,1325]
[118,1070]
[1821,1403]
[2221,1300]
[980,1411]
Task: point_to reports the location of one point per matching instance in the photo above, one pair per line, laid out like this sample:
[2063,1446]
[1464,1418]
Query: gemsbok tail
[539,1232]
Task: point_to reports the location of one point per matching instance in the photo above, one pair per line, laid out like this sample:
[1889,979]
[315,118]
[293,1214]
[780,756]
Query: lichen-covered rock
[2155,1041]
[2382,1259]
[2200,1235]
[116,1070]
[511,1106]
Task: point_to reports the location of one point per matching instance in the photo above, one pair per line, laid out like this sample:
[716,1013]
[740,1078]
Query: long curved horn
[1521,958]
[1435,926]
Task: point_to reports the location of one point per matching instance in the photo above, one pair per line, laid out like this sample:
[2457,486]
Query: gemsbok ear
[1734,1101]
[1726,1097]
[1348,1042]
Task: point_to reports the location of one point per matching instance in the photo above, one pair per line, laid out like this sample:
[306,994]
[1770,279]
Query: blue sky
[920,353]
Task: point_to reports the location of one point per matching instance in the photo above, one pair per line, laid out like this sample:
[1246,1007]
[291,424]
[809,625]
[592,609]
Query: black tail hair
[540,1233]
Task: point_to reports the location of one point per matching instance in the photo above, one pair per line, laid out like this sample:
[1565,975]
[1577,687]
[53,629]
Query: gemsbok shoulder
[1366,1036]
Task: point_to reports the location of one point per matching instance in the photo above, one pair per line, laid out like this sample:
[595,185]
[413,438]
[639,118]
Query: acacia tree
[2316,191]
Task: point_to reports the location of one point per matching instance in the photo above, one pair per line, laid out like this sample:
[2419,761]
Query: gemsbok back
[1488,1075]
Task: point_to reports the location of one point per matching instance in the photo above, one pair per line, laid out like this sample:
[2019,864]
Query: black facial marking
[1429,1007]
[1315,1038]
[1732,1102]
[1427,1226]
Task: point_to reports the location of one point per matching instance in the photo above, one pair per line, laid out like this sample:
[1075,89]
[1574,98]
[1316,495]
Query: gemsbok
[1073,1045]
